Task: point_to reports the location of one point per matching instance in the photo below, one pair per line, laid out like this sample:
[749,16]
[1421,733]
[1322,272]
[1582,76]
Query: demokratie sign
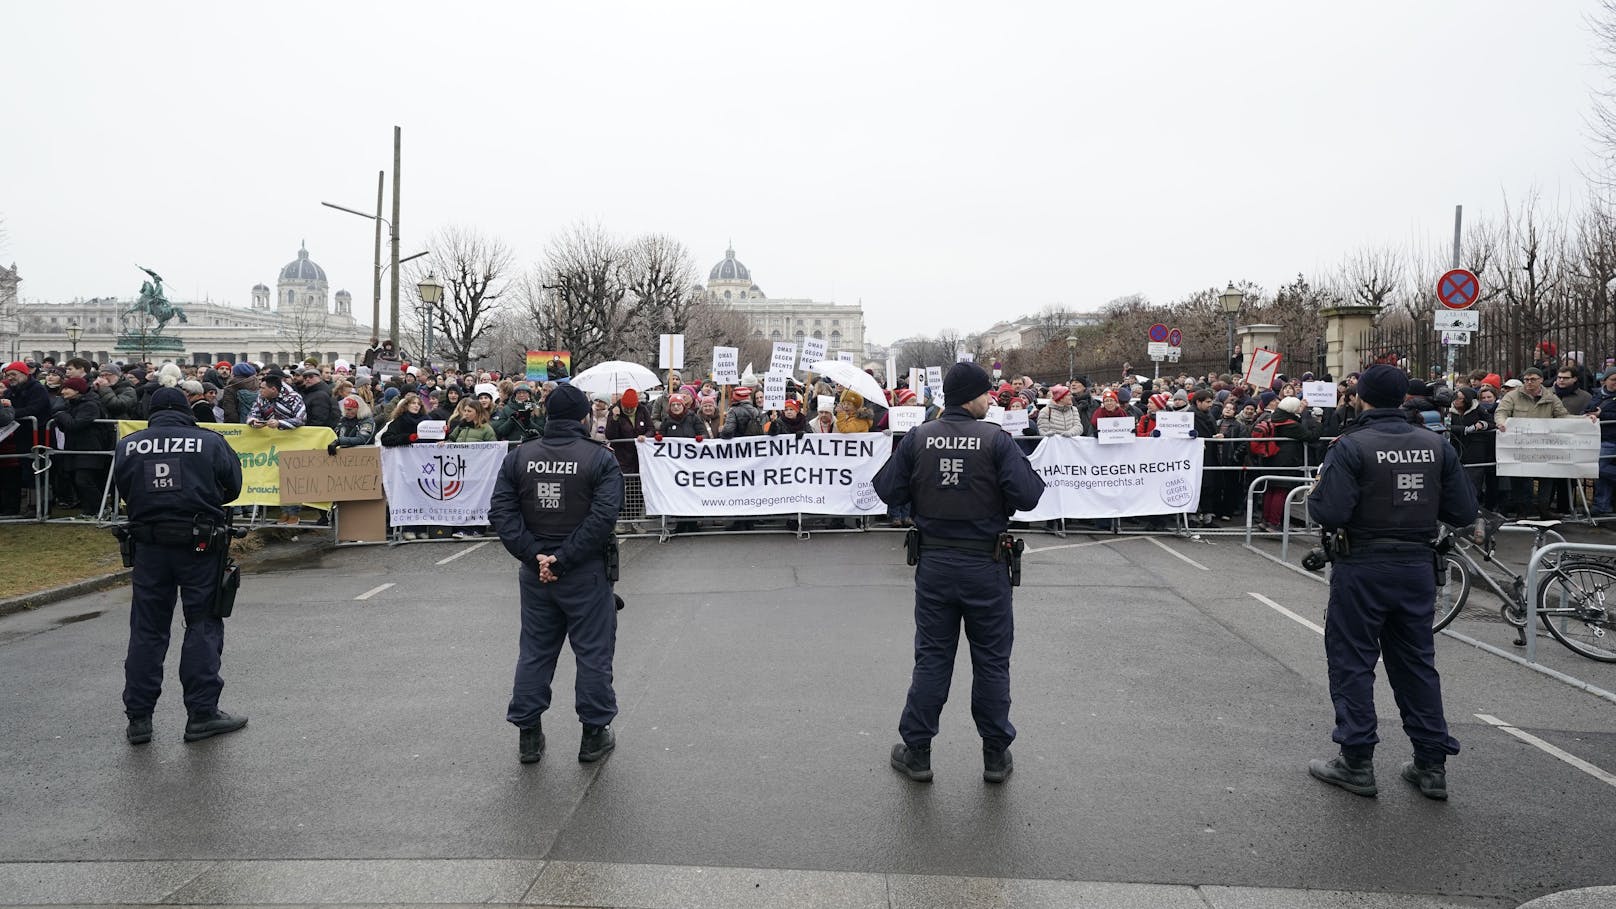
[831,473]
[1084,479]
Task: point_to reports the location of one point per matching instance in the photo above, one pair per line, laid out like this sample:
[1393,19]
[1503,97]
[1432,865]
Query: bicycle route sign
[1458,288]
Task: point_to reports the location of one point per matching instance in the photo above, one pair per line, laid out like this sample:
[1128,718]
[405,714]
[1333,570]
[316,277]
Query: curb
[66,592]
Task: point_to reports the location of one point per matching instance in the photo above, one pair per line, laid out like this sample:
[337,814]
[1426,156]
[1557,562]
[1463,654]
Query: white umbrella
[847,375]
[615,377]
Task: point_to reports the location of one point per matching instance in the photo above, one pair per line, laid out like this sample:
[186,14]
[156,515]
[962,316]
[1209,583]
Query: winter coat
[402,430]
[320,407]
[1519,404]
[687,426]
[743,419]
[77,423]
[1475,435]
[1298,430]
[516,425]
[237,398]
[118,400]
[466,432]
[355,431]
[1058,420]
[622,428]
[1575,400]
[782,425]
[29,399]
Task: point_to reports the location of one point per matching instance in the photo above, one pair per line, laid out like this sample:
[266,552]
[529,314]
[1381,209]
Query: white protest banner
[671,352]
[995,414]
[1113,430]
[825,404]
[441,484]
[432,430]
[774,392]
[813,350]
[819,473]
[784,358]
[1319,394]
[846,356]
[934,381]
[1014,421]
[1175,424]
[726,365]
[1084,479]
[903,419]
[1557,449]
[1264,366]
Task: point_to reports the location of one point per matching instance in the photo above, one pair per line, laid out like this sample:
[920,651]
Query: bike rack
[1261,485]
[1285,527]
[1530,631]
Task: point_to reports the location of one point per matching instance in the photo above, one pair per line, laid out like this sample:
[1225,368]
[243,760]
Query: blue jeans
[1607,477]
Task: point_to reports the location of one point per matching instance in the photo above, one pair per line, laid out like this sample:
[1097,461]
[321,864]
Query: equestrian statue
[153,303]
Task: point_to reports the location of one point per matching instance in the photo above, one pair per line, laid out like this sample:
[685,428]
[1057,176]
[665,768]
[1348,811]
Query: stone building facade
[785,319]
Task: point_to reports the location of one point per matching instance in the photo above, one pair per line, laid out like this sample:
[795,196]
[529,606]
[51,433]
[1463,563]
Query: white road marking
[1286,612]
[373,591]
[1081,545]
[1608,779]
[467,551]
[1176,554]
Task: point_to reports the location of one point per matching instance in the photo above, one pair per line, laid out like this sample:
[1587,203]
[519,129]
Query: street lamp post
[74,332]
[1071,354]
[431,291]
[392,236]
[1230,301]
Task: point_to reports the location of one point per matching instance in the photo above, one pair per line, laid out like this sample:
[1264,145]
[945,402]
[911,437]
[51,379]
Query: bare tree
[1054,323]
[1602,118]
[1529,272]
[661,278]
[307,327]
[475,271]
[1371,276]
[575,299]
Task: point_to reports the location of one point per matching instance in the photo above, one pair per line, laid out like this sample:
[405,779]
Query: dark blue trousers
[952,588]
[159,574]
[1382,607]
[576,607]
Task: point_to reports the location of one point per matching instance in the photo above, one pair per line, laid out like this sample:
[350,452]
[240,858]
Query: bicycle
[1576,597]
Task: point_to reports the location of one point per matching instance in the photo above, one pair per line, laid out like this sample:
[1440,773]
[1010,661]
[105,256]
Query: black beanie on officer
[1383,385]
[964,383]
[169,399]
[566,403]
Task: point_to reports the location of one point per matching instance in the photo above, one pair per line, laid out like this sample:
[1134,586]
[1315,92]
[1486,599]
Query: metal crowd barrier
[1532,567]
[28,454]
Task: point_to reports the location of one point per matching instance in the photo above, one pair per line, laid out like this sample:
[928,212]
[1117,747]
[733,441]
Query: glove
[1155,433]
[658,437]
[698,438]
[1192,433]
[331,449]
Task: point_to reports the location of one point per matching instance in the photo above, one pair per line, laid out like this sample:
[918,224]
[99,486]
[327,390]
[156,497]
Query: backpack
[1263,430]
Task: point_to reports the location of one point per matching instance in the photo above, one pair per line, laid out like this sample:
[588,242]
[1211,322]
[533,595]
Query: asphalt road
[1167,710]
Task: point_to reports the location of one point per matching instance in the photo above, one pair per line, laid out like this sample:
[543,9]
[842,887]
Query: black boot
[598,742]
[530,744]
[996,763]
[207,725]
[1432,779]
[139,731]
[1356,775]
[914,763]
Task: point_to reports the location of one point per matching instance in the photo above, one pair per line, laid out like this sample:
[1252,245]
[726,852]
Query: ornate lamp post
[74,332]
[1229,301]
[431,292]
[1071,361]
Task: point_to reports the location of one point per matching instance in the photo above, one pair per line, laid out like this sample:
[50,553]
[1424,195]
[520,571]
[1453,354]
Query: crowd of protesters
[1248,431]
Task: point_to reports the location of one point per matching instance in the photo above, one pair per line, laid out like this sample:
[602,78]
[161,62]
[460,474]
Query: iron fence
[1510,340]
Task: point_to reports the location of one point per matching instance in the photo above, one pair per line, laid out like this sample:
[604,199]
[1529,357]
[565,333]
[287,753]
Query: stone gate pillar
[1344,327]
[1255,336]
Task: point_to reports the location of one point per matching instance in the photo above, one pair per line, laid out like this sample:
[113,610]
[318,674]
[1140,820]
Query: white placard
[934,380]
[1175,424]
[826,404]
[441,484]
[846,356]
[1264,366]
[1319,394]
[818,473]
[903,419]
[726,363]
[1083,479]
[1456,320]
[1539,447]
[995,414]
[813,350]
[783,359]
[671,352]
[1113,430]
[431,430]
[917,381]
[1014,421]
[964,356]
[774,392]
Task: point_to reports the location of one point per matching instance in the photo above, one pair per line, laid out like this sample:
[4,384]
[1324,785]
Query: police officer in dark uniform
[176,479]
[1383,487]
[554,507]
[964,478]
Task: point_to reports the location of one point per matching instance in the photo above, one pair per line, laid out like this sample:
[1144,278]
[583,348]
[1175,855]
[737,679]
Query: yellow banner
[259,451]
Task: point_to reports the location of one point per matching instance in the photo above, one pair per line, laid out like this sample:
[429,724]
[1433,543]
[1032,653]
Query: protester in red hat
[791,420]
[1110,407]
[1059,417]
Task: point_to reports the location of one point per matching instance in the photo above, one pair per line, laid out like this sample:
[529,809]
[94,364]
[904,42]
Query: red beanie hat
[18,366]
[631,399]
[1160,400]
[1059,393]
[903,397]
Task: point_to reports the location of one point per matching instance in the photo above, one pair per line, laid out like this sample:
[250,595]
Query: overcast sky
[946,163]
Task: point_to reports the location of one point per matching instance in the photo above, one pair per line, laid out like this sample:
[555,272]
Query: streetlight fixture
[392,235]
[74,332]
[1230,301]
[1071,354]
[431,292]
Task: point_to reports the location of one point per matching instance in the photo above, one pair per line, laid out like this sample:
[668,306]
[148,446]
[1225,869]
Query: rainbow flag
[542,365]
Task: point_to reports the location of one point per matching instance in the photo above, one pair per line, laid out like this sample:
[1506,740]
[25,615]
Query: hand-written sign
[784,358]
[1537,447]
[903,419]
[774,392]
[726,365]
[813,350]
[352,474]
